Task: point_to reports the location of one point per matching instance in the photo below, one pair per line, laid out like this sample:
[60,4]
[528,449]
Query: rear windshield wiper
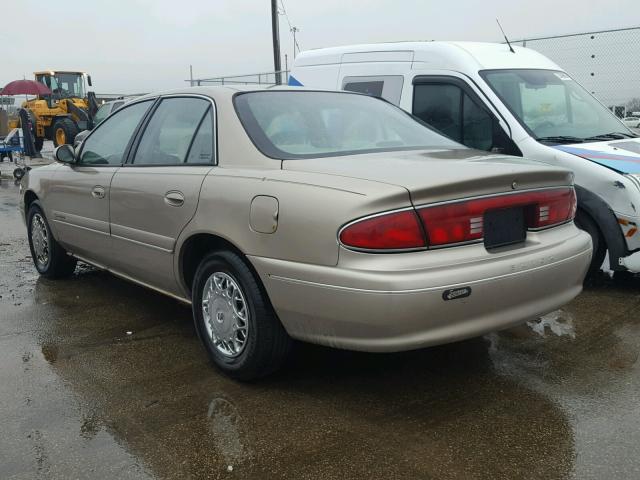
[611,136]
[560,139]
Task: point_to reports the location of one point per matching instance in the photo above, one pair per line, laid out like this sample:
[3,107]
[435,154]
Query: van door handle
[98,191]
[174,198]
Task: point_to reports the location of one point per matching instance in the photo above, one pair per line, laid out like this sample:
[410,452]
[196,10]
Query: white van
[519,103]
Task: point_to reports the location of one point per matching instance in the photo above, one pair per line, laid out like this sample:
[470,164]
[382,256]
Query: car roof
[227,91]
[437,54]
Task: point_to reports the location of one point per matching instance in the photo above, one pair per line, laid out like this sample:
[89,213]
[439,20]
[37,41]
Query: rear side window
[369,88]
[170,132]
[388,87]
[201,150]
[107,144]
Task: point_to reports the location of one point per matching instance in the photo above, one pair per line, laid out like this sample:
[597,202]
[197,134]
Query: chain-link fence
[607,63]
[264,78]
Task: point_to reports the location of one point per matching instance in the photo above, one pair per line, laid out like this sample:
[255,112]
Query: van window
[388,87]
[451,111]
[370,88]
[553,107]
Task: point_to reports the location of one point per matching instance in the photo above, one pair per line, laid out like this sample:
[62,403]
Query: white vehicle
[518,102]
[633,122]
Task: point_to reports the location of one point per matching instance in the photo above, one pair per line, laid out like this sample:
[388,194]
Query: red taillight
[558,206]
[391,231]
[463,221]
[456,222]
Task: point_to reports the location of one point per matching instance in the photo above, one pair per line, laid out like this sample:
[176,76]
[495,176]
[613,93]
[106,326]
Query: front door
[156,193]
[79,194]
[456,109]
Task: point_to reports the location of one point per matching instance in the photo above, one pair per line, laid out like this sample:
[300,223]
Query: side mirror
[65,154]
[89,80]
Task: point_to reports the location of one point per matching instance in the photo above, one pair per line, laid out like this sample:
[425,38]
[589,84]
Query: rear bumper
[384,311]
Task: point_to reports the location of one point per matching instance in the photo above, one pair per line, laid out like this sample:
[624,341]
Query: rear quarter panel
[312,208]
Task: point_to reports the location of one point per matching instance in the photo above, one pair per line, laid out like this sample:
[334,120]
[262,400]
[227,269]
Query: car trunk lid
[440,175]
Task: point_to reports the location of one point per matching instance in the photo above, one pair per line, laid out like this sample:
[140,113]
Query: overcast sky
[144,45]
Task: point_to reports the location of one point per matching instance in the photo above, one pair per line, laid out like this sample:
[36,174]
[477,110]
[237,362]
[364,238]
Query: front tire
[64,131]
[235,320]
[584,222]
[49,258]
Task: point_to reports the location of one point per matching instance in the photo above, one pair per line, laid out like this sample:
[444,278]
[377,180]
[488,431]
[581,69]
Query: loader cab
[63,85]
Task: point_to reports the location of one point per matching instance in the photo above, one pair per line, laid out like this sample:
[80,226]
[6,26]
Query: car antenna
[505,37]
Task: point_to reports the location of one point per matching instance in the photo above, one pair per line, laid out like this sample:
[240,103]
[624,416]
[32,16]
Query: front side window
[171,130]
[306,124]
[108,142]
[453,112]
[552,106]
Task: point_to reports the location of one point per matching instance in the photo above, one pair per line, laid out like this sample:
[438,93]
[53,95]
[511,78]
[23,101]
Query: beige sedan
[328,217]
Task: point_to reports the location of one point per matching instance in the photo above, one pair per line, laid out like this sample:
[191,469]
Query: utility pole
[295,44]
[286,69]
[276,40]
[191,75]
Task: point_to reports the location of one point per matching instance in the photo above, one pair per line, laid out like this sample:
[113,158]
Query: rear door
[155,194]
[79,195]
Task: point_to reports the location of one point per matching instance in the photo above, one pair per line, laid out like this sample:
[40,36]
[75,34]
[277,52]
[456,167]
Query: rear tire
[584,222]
[64,131]
[227,294]
[49,258]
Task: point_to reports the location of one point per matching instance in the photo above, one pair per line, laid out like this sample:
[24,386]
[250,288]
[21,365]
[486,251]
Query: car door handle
[98,192]
[174,199]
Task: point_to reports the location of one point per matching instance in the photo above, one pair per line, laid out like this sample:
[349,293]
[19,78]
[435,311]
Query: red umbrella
[25,87]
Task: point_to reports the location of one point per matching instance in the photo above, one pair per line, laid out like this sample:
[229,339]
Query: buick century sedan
[328,217]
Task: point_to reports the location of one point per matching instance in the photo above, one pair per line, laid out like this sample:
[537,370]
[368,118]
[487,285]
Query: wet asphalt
[100,378]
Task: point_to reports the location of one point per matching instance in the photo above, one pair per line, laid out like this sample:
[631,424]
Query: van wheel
[235,320]
[49,258]
[584,222]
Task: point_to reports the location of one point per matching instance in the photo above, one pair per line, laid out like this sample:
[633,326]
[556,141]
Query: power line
[292,29]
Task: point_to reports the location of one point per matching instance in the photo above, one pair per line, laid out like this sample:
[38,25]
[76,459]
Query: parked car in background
[633,122]
[334,218]
[103,112]
[514,102]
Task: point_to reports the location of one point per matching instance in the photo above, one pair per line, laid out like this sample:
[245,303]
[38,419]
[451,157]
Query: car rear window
[307,124]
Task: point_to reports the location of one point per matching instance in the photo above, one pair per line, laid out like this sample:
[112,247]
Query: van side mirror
[65,154]
[89,80]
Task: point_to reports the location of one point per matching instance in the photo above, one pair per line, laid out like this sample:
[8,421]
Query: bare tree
[633,105]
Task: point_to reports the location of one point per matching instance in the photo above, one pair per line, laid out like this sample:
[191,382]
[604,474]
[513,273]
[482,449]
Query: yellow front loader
[65,112]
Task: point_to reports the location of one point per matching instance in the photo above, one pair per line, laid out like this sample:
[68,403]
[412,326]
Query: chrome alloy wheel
[226,314]
[40,240]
